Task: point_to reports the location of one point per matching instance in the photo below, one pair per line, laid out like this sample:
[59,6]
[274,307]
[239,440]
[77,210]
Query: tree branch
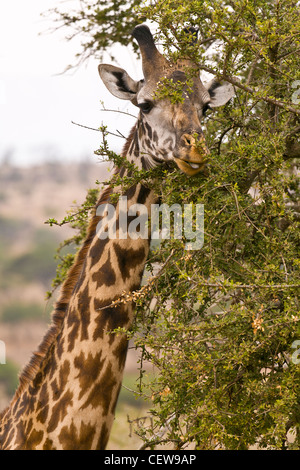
[248,286]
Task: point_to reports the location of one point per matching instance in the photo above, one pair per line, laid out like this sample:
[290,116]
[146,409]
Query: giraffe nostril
[188,140]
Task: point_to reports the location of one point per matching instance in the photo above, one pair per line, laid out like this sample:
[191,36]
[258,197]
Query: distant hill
[36,193]
[28,197]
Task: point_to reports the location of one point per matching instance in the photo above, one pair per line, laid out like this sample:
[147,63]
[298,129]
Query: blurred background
[46,166]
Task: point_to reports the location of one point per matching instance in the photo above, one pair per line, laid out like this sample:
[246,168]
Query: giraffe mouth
[190,168]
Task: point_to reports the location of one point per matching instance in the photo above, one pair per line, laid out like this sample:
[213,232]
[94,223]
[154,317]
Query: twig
[236,202]
[86,127]
[120,134]
[132,296]
[118,111]
[285,270]
[252,69]
[294,51]
[99,130]
[248,286]
[222,136]
[158,437]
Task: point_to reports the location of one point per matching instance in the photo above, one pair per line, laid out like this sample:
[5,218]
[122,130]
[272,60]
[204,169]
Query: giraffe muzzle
[193,154]
[189,168]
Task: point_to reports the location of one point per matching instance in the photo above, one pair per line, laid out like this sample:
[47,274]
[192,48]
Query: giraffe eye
[205,108]
[145,107]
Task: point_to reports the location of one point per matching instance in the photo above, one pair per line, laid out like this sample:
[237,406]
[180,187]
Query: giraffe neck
[68,393]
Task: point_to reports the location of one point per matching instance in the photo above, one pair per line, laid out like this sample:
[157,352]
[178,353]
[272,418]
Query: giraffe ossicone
[68,392]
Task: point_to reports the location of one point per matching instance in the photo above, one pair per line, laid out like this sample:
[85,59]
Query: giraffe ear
[219,93]
[118,82]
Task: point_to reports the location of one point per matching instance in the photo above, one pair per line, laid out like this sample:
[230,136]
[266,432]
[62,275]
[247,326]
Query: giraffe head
[169,131]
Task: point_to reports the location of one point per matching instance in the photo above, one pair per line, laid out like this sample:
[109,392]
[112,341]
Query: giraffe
[68,392]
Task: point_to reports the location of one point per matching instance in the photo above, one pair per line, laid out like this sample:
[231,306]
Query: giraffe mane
[30,371]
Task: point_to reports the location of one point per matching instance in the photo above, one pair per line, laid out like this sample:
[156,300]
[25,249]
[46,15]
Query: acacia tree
[221,324]
[100,24]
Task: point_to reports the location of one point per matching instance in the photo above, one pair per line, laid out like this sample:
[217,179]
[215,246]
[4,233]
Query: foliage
[37,263]
[9,377]
[217,330]
[17,311]
[99,24]
[220,323]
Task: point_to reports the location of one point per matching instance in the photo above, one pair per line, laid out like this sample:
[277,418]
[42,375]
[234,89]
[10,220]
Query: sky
[38,102]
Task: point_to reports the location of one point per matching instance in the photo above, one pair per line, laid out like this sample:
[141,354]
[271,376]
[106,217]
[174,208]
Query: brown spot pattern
[109,319]
[72,438]
[59,410]
[105,275]
[128,259]
[89,368]
[101,392]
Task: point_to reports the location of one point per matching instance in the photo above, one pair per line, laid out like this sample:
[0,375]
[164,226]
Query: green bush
[36,265]
[9,376]
[17,311]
